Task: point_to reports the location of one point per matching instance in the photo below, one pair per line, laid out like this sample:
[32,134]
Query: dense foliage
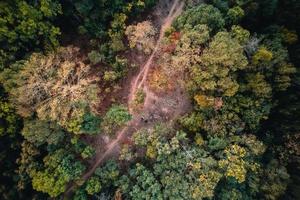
[64,71]
[25,26]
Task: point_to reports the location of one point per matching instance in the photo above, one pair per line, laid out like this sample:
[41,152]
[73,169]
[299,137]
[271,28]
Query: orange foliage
[159,81]
[204,101]
[175,36]
[170,48]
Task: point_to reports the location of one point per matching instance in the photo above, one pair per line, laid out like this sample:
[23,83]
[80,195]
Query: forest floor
[156,108]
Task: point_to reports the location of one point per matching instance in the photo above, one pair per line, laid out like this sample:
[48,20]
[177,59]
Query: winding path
[137,83]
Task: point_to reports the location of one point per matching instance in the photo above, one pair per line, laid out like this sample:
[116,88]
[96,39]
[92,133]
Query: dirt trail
[157,108]
[175,10]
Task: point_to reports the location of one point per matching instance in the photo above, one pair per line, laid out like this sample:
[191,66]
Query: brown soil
[164,107]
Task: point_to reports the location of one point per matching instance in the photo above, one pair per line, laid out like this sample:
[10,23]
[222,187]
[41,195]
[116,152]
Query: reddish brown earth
[156,107]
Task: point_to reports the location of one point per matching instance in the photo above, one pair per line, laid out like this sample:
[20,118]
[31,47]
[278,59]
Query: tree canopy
[149,99]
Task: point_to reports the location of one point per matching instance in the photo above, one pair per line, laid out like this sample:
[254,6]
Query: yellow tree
[141,36]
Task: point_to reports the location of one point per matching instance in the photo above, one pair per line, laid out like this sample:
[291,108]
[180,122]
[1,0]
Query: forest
[150,99]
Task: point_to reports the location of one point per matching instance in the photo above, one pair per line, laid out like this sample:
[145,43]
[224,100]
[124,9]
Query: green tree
[26,25]
[242,35]
[115,117]
[8,119]
[235,14]
[93,185]
[88,152]
[39,132]
[59,168]
[27,163]
[95,57]
[215,73]
[202,14]
[194,36]
[192,122]
[275,180]
[258,85]
[146,187]
[109,173]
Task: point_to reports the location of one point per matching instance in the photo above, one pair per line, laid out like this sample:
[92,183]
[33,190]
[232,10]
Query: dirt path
[157,108]
[175,10]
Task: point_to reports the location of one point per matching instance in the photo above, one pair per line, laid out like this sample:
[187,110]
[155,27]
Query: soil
[164,107]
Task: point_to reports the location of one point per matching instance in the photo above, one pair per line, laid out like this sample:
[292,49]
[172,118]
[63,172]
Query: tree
[225,51]
[204,101]
[95,57]
[115,117]
[234,164]
[185,169]
[289,36]
[10,147]
[126,153]
[8,118]
[275,180]
[242,35]
[93,185]
[80,194]
[88,152]
[192,122]
[90,123]
[27,163]
[109,173]
[194,36]
[146,186]
[235,14]
[39,132]
[59,168]
[283,77]
[187,49]
[258,85]
[58,87]
[214,74]
[262,55]
[202,14]
[250,109]
[97,17]
[141,36]
[26,25]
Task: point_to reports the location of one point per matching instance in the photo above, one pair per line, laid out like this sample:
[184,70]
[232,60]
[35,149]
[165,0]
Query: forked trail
[137,83]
